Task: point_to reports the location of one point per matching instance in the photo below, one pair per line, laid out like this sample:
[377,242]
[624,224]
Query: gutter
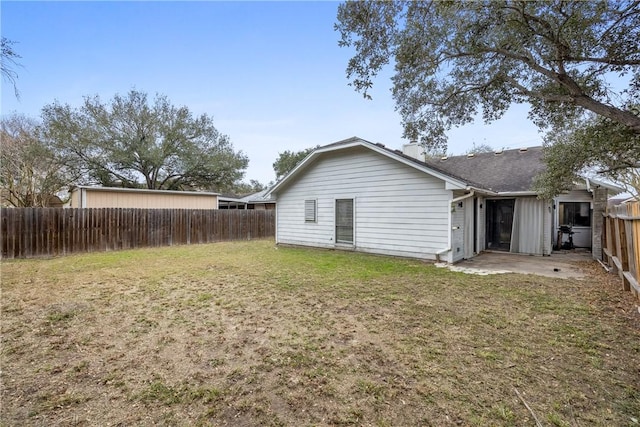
[466,196]
[516,193]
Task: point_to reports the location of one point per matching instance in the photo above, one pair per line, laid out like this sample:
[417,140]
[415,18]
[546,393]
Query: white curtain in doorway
[528,222]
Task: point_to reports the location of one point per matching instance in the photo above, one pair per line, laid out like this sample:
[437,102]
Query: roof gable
[451,182]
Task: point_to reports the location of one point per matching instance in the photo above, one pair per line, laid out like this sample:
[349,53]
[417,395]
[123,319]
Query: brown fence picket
[34,232]
[621,249]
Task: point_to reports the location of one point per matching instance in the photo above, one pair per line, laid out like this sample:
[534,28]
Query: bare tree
[9,61]
[30,172]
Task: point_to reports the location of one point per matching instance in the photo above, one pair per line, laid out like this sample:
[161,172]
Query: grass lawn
[244,334]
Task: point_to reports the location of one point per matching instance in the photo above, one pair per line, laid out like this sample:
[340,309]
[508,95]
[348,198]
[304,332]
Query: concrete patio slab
[563,264]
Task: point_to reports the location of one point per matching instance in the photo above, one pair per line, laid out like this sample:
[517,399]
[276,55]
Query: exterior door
[499,224]
[344,221]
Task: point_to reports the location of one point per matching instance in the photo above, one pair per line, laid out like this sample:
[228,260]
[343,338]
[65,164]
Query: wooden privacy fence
[33,232]
[621,243]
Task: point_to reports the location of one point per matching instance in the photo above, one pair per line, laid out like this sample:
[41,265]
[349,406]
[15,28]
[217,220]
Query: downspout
[452,201]
[592,191]
[275,226]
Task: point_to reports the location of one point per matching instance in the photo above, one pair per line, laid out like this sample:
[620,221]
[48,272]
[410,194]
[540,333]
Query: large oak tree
[132,142]
[456,60]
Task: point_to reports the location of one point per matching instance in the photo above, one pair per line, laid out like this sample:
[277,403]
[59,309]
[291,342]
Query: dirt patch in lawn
[249,334]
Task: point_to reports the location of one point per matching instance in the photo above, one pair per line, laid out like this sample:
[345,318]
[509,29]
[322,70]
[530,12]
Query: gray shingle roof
[510,170]
[506,171]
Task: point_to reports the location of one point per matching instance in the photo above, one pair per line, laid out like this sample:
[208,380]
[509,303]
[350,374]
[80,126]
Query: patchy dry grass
[246,334]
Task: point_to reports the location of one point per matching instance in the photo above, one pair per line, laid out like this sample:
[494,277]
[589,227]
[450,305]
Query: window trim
[308,219]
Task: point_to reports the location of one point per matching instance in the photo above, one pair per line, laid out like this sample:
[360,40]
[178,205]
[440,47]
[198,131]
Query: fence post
[623,256]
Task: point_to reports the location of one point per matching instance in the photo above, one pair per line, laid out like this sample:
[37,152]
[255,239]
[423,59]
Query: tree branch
[539,95]
[623,16]
[608,61]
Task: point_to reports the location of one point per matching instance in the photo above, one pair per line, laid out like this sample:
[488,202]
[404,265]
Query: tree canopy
[480,148]
[287,160]
[455,60]
[244,189]
[30,171]
[132,142]
[596,145]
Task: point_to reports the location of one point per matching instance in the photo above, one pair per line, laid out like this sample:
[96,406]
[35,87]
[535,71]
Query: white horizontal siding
[398,210]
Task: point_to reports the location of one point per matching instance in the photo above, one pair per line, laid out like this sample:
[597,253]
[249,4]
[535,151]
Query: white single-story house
[363,196]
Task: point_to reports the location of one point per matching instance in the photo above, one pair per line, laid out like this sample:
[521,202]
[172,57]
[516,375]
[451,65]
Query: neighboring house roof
[229,198]
[620,200]
[260,197]
[507,171]
[143,190]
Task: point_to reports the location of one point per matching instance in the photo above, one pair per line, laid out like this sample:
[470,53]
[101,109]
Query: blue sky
[271,74]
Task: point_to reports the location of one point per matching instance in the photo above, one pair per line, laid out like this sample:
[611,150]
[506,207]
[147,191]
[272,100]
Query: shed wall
[398,210]
[114,199]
